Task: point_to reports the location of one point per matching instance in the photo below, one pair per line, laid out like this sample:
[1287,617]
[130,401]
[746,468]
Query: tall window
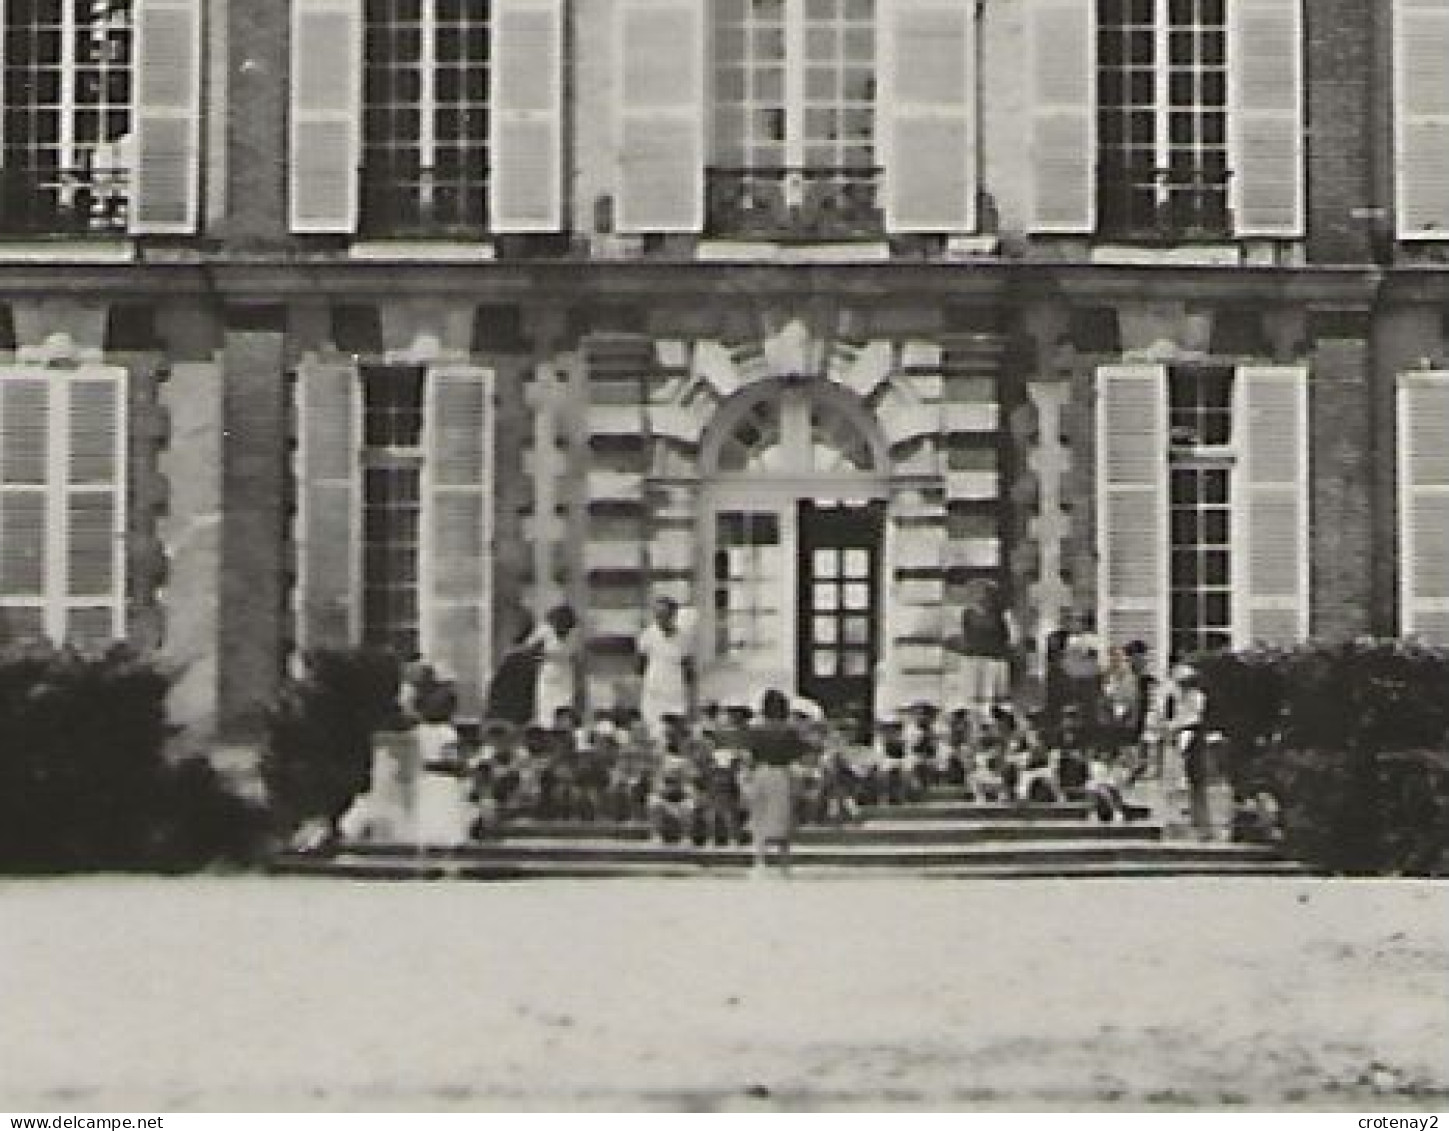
[425,118]
[392,465]
[1162,126]
[66,131]
[794,115]
[1200,495]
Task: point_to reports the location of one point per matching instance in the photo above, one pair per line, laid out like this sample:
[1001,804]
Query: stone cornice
[263,279]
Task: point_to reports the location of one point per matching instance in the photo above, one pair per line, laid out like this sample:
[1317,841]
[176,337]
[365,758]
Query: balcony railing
[1163,206]
[422,204]
[799,204]
[59,202]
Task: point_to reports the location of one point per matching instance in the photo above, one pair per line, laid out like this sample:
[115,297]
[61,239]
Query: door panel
[751,588]
[838,630]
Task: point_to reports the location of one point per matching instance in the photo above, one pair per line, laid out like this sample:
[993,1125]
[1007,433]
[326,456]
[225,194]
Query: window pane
[827,563]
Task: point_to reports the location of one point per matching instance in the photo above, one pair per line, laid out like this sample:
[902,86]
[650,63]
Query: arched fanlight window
[793,432]
[836,443]
[756,443]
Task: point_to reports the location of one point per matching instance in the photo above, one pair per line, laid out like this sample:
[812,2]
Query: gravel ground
[223,994]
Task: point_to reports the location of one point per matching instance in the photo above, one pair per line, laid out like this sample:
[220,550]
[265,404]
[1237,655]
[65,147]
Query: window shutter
[1265,117]
[167,145]
[63,503]
[526,183]
[25,458]
[458,520]
[1423,423]
[329,504]
[1132,505]
[928,119]
[1271,547]
[95,506]
[1421,118]
[1062,61]
[661,116]
[326,115]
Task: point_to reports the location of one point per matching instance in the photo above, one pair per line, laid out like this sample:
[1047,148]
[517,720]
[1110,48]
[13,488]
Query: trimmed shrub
[84,780]
[1353,740]
[320,734]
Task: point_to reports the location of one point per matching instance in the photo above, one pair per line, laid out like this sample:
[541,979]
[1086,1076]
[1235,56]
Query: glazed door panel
[838,630]
[752,588]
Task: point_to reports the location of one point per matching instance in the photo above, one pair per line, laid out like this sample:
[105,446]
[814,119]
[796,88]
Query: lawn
[230,993]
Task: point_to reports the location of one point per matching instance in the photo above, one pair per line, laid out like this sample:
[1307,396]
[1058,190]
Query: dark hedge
[320,734]
[1353,741]
[85,783]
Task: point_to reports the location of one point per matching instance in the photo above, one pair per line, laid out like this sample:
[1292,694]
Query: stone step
[889,828]
[950,832]
[940,805]
[855,854]
[1019,862]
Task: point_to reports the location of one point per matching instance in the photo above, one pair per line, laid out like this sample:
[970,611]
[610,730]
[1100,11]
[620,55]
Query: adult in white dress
[666,662]
[555,645]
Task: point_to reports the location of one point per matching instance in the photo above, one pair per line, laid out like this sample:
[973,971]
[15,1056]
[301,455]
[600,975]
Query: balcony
[793,204]
[1163,207]
[63,202]
[422,204]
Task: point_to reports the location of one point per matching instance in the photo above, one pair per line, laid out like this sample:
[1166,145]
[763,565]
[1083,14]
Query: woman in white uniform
[667,664]
[554,645]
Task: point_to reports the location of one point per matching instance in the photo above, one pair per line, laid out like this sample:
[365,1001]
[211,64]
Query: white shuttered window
[1265,117]
[1132,505]
[527,114]
[1213,511]
[381,559]
[458,523]
[167,149]
[661,48]
[328,521]
[1423,425]
[326,115]
[63,503]
[1421,118]
[1062,63]
[927,117]
[1271,539]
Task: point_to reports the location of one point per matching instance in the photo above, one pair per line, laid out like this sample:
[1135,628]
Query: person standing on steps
[554,646]
[514,687]
[985,646]
[1188,726]
[666,662]
[774,746]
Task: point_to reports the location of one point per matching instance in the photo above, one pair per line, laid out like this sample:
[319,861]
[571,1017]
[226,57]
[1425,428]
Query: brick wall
[1338,59]
[252,626]
[256,120]
[1342,468]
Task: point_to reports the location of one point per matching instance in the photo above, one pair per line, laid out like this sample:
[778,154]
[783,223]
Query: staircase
[938,836]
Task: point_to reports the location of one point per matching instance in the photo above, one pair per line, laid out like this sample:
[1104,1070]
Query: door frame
[781,496]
